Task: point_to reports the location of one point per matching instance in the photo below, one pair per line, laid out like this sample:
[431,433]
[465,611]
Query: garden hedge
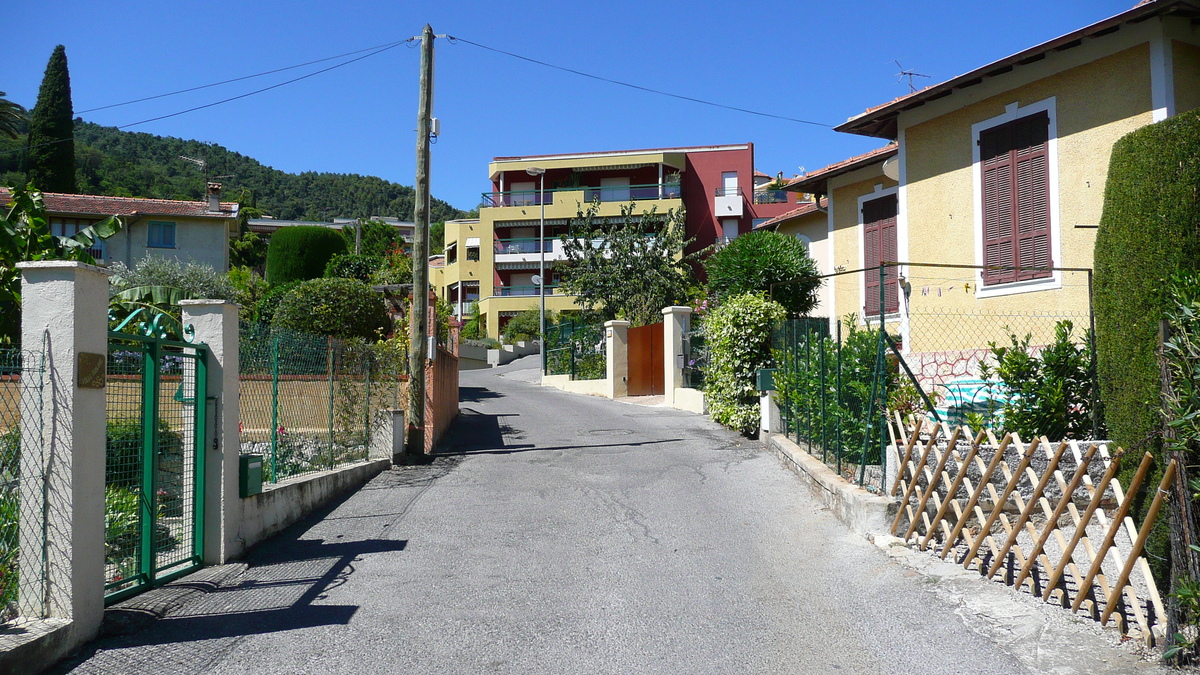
[301,252]
[755,261]
[1147,232]
[344,308]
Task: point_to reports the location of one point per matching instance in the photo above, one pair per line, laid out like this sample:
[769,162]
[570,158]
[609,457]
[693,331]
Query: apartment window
[451,253]
[1015,174]
[162,235]
[879,246]
[729,230]
[472,248]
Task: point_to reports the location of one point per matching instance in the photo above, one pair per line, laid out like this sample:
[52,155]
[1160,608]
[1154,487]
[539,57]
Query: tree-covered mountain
[133,164]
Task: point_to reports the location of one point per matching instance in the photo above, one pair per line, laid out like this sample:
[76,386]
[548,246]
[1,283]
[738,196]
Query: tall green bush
[1147,233]
[343,308]
[300,253]
[51,139]
[755,261]
[738,334]
[353,266]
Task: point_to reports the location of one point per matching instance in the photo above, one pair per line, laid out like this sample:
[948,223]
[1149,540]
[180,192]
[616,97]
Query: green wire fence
[311,403]
[21,480]
[576,349]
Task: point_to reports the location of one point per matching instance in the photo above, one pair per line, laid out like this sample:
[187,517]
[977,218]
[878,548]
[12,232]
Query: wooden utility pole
[418,331]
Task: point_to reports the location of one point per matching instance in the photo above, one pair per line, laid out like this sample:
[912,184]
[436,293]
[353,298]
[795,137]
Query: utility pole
[418,331]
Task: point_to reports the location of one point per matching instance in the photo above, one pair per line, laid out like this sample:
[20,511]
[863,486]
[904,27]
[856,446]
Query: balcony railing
[519,291]
[770,197]
[525,245]
[727,192]
[621,193]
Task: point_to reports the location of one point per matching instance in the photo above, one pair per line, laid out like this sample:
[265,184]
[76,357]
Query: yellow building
[1004,168]
[494,260]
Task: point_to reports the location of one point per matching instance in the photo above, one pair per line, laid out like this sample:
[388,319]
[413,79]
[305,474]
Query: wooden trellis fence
[1006,507]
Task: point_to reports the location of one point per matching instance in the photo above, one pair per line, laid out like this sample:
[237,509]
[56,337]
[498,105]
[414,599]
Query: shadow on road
[476,433]
[476,394]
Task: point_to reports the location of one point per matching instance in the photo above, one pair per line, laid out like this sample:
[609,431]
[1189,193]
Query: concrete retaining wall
[508,353]
[863,512]
[266,515]
[691,400]
[589,387]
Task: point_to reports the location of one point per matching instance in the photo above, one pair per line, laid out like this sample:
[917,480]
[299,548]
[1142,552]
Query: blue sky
[819,61]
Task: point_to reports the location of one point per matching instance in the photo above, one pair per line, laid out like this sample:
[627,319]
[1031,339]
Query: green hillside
[122,163]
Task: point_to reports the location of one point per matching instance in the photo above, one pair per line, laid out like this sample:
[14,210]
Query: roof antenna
[910,74]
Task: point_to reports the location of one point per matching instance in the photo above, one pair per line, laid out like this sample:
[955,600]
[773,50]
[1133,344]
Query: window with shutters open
[879,245]
[1015,173]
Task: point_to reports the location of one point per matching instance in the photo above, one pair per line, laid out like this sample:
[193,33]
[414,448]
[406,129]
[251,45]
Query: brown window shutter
[996,159]
[1032,206]
[879,245]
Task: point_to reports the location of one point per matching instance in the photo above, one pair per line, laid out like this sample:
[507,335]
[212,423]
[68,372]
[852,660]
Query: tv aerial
[910,74]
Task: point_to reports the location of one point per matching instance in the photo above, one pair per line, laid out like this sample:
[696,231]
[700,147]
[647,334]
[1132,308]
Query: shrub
[1048,393]
[353,266]
[377,237]
[249,287]
[264,311]
[193,279]
[123,450]
[1147,232]
[738,335]
[754,261]
[524,326]
[474,328]
[339,307]
[300,253]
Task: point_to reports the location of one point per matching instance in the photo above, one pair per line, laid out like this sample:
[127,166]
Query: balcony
[527,245]
[770,197]
[523,291]
[728,202]
[568,196]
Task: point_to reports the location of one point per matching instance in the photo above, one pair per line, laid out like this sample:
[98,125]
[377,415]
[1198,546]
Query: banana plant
[25,235]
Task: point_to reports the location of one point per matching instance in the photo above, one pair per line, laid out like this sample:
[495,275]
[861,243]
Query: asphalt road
[567,534]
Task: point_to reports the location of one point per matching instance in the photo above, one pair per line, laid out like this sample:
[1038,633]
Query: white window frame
[1013,112]
[878,193]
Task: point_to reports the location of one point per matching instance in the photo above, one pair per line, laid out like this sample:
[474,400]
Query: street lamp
[541,174]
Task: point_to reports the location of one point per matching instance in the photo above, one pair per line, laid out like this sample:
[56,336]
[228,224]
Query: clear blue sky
[820,61]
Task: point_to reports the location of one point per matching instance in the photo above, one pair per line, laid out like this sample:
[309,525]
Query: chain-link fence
[22,577]
[576,349]
[311,403]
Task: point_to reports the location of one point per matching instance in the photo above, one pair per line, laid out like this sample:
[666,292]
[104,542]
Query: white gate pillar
[216,324]
[65,317]
[676,324]
[616,343]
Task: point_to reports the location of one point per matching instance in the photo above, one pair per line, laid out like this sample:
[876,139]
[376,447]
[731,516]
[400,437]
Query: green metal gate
[154,471]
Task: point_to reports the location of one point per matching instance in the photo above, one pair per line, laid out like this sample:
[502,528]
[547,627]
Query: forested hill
[122,163]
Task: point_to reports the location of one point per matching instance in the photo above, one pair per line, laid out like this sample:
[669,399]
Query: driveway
[567,534]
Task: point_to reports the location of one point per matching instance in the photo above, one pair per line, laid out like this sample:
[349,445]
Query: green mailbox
[250,475]
[765,381]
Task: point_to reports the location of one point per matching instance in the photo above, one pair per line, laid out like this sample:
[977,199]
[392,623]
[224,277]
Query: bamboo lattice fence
[1050,517]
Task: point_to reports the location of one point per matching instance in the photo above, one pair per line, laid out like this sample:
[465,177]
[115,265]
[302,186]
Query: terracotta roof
[818,178]
[97,205]
[880,120]
[760,174]
[803,210]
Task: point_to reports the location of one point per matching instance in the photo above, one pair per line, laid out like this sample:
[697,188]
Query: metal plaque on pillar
[91,370]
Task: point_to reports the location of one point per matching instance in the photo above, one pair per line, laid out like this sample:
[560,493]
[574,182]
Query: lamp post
[541,174]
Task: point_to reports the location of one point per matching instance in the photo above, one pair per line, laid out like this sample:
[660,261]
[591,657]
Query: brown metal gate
[646,360]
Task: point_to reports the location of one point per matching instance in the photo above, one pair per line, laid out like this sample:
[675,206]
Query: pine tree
[51,130]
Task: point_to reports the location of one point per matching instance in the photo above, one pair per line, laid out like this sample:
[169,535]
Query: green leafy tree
[396,269]
[52,130]
[377,238]
[629,268]
[758,260]
[13,117]
[25,235]
[249,287]
[437,236]
[524,326]
[353,266]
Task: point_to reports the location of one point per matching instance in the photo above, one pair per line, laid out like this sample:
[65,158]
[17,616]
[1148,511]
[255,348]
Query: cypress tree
[52,130]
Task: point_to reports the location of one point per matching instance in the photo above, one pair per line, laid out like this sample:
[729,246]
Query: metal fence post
[274,409]
[329,352]
[838,446]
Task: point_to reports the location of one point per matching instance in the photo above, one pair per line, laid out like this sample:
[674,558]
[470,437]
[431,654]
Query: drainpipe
[134,218]
[818,202]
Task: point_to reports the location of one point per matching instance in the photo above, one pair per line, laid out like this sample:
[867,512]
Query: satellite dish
[891,168]
[537,280]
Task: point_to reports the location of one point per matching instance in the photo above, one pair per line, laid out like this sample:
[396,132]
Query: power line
[244,77]
[454,39]
[226,100]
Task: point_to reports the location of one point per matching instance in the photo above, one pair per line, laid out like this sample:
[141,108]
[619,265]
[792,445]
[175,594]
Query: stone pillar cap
[61,264]
[617,324]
